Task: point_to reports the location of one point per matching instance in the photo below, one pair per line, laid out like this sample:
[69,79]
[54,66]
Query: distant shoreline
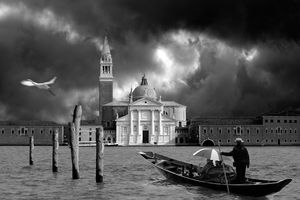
[186,145]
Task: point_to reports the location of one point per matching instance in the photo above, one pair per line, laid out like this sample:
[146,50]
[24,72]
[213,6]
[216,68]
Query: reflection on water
[161,182]
[128,176]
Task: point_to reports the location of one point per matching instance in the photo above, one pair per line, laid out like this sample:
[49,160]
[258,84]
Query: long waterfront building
[17,132]
[269,129]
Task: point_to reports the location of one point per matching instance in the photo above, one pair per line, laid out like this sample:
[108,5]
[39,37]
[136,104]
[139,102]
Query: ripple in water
[129,176]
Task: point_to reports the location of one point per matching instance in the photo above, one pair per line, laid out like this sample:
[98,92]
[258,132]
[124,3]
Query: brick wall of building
[105,96]
[18,135]
[265,130]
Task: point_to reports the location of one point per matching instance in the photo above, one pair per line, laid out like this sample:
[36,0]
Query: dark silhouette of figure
[241,160]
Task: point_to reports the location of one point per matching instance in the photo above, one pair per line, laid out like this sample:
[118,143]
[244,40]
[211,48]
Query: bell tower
[105,79]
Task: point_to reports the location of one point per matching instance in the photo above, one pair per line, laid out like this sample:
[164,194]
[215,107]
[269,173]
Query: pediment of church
[146,102]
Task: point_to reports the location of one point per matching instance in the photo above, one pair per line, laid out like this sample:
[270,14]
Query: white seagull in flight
[43,86]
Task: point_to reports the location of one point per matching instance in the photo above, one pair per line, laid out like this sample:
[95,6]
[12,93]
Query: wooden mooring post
[99,154]
[55,146]
[31,147]
[74,141]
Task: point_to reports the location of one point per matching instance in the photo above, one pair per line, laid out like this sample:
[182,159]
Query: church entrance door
[145,136]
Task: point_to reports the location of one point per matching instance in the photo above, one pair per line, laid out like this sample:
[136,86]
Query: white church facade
[149,120]
[142,119]
[145,124]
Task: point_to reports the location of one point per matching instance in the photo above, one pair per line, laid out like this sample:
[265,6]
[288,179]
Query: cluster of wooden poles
[74,145]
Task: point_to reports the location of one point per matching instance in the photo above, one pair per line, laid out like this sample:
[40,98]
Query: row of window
[90,133]
[279,121]
[146,127]
[109,140]
[165,129]
[257,140]
[279,130]
[24,131]
[181,131]
[89,129]
[93,130]
[106,69]
[90,139]
[106,59]
[239,131]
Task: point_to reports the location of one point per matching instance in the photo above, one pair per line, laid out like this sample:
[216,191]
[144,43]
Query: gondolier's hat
[239,140]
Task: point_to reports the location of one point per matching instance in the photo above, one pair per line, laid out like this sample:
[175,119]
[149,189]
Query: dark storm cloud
[278,89]
[268,83]
[283,69]
[134,58]
[135,29]
[233,20]
[245,21]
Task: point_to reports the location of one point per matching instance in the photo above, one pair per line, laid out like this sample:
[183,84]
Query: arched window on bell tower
[106,65]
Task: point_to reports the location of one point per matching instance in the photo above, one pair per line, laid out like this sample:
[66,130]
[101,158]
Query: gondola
[182,172]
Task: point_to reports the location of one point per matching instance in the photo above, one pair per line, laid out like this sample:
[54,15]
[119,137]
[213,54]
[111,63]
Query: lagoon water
[129,176]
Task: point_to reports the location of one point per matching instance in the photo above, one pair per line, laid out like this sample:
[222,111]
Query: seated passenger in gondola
[202,170]
[214,172]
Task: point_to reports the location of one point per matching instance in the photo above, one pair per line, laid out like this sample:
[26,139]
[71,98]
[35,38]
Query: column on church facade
[118,135]
[159,125]
[131,126]
[152,125]
[138,125]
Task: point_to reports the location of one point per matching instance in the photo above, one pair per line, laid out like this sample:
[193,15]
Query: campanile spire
[106,48]
[106,63]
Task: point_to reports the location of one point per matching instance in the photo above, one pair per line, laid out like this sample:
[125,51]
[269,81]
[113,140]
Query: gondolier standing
[241,159]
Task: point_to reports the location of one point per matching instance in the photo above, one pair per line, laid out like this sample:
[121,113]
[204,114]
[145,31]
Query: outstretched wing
[49,82]
[27,83]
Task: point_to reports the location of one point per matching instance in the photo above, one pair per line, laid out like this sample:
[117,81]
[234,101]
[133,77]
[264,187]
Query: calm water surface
[129,176]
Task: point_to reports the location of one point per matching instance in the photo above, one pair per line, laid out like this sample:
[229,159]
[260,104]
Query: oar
[226,181]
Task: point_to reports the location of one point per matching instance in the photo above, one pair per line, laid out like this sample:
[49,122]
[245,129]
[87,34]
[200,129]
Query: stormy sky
[220,58]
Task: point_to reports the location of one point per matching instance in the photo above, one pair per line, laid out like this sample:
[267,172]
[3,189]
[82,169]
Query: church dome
[143,90]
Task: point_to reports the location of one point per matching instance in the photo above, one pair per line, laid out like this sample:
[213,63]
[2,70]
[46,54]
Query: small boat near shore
[181,172]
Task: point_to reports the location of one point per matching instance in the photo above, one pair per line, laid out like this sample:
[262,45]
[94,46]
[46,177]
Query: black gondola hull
[256,187]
